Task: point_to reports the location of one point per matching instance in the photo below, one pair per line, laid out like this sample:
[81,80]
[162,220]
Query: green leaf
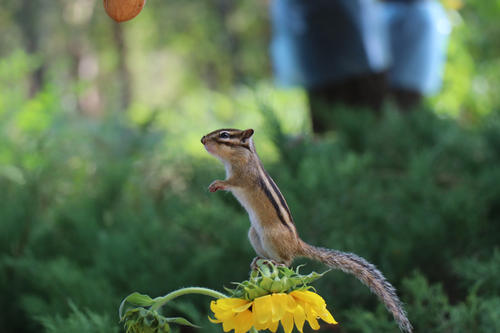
[139,299]
[229,290]
[150,320]
[277,286]
[181,321]
[286,283]
[266,283]
[254,274]
[275,271]
[264,270]
[313,276]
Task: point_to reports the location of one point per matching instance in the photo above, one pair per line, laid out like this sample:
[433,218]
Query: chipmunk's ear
[246,134]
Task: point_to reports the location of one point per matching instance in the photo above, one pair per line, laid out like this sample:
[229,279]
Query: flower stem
[161,301]
[253,330]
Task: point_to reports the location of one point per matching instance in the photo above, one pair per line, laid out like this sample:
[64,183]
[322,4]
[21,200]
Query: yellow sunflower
[266,312]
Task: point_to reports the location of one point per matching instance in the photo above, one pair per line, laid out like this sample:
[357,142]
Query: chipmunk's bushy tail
[366,273]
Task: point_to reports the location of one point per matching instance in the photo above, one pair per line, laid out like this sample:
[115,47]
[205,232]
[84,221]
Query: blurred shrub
[92,209]
[79,321]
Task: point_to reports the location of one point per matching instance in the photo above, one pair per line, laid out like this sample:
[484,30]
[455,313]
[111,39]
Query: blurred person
[359,52]
[418,31]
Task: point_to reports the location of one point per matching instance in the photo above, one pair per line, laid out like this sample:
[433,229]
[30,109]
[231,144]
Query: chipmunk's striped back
[272,233]
[268,186]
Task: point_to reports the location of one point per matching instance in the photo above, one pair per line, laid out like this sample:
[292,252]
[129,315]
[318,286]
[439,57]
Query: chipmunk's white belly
[252,214]
[263,246]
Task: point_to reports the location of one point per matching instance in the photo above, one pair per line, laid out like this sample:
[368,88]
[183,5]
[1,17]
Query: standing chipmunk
[272,232]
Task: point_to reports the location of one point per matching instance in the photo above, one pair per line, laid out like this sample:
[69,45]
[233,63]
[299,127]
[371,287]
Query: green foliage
[416,184]
[140,313]
[95,204]
[430,310]
[79,321]
[268,278]
[92,210]
[482,274]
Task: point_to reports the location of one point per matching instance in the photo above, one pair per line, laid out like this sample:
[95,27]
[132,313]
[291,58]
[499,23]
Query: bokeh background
[103,178]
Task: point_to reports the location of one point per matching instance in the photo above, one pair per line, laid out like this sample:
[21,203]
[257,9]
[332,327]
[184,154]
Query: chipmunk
[272,232]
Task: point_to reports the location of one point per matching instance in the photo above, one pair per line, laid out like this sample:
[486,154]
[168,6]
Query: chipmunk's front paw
[217,185]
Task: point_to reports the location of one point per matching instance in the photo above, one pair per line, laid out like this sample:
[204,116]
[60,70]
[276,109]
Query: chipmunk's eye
[224,135]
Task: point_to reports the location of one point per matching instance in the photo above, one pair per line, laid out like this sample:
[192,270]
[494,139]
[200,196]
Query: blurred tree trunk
[124,76]
[27,18]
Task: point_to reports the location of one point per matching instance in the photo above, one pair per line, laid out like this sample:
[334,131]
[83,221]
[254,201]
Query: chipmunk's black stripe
[280,196]
[233,144]
[273,202]
[229,130]
[227,143]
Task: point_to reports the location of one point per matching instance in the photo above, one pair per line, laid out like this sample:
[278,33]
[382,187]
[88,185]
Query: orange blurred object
[123,10]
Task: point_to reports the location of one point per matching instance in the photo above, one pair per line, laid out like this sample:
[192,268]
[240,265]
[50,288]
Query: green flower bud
[269,278]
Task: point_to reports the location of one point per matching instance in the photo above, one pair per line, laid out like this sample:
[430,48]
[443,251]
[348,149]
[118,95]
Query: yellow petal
[311,317]
[217,308]
[243,322]
[279,306]
[327,317]
[262,309]
[258,326]
[316,306]
[273,326]
[228,324]
[299,317]
[225,308]
[224,315]
[215,321]
[242,307]
[233,313]
[213,306]
[309,297]
[287,322]
[290,304]
[220,314]
[230,303]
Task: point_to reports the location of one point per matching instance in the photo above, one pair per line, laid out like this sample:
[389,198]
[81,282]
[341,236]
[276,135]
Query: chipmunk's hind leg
[254,238]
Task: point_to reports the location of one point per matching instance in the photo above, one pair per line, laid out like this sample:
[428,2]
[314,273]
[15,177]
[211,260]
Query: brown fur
[272,232]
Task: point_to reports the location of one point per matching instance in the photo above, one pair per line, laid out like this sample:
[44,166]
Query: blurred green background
[103,179]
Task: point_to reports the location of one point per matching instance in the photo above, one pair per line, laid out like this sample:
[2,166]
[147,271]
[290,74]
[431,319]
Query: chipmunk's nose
[203,140]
